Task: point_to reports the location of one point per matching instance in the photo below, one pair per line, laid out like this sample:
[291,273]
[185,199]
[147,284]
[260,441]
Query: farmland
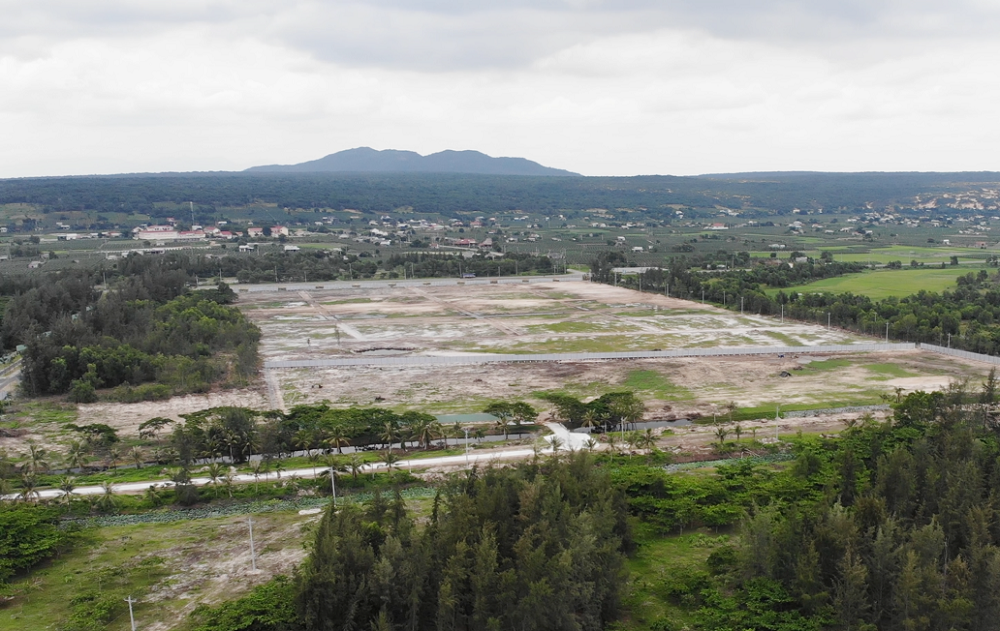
[885,283]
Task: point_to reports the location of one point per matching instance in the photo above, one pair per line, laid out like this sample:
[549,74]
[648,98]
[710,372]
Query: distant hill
[367,160]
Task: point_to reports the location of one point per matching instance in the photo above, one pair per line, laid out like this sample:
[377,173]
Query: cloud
[591,86]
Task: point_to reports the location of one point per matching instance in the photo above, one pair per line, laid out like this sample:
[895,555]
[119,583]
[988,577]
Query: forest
[448,194]
[147,328]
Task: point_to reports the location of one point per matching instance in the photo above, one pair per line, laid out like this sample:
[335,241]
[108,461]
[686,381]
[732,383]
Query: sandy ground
[126,417]
[506,318]
[672,388]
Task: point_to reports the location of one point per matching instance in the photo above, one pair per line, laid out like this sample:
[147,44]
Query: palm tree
[107,499]
[227,481]
[278,468]
[388,434]
[114,455]
[29,487]
[391,461]
[152,495]
[215,471]
[425,431]
[591,444]
[337,438]
[590,418]
[556,443]
[137,455]
[738,430]
[76,455]
[355,464]
[479,433]
[305,439]
[313,458]
[256,469]
[36,459]
[721,433]
[66,485]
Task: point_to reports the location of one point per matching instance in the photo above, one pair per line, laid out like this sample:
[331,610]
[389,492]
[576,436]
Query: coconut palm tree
[591,444]
[721,433]
[66,485]
[137,455]
[391,461]
[76,455]
[114,455]
[425,431]
[257,468]
[227,481]
[304,439]
[107,499]
[389,433]
[37,462]
[337,439]
[590,418]
[215,471]
[738,430]
[153,495]
[354,465]
[556,443]
[29,487]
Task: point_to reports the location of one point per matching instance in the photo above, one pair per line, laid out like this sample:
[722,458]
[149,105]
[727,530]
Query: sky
[629,87]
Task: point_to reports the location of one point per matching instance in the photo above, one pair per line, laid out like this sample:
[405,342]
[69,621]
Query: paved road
[568,441]
[9,378]
[493,358]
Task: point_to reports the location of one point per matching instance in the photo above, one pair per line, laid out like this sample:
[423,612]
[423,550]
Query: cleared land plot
[566,317]
[674,388]
[484,318]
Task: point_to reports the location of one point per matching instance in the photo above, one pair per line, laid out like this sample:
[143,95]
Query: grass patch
[885,283]
[116,561]
[657,562]
[889,371]
[656,384]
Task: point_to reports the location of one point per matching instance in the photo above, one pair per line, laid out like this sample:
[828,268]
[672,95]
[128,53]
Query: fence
[561,357]
[954,352]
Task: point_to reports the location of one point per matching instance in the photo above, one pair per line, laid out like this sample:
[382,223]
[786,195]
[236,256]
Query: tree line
[966,317]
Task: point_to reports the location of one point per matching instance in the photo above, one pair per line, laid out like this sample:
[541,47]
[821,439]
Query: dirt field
[561,317]
[564,317]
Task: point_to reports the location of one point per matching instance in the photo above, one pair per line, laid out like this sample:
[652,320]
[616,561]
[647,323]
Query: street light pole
[333,486]
[466,444]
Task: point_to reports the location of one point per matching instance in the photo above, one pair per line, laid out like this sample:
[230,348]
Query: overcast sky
[599,87]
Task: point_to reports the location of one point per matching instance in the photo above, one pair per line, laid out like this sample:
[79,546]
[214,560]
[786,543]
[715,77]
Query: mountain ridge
[368,160]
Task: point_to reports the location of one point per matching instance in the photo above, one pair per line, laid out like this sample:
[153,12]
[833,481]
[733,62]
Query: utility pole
[828,319]
[782,314]
[253,554]
[886,331]
[466,444]
[333,486]
[131,616]
[741,305]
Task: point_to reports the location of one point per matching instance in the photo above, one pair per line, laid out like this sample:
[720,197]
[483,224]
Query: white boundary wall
[454,360]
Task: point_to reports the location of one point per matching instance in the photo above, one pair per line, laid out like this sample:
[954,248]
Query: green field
[885,283]
[905,254]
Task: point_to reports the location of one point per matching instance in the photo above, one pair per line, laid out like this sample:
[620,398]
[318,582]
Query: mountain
[365,159]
